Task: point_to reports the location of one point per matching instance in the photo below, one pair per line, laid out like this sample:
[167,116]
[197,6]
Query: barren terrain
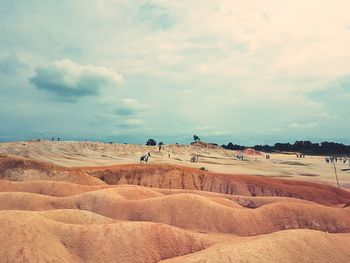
[95,202]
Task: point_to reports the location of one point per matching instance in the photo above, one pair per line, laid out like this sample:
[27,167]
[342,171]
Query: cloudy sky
[228,70]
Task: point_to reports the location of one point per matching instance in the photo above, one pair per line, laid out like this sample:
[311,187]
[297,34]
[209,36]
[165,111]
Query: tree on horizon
[196,138]
[151,142]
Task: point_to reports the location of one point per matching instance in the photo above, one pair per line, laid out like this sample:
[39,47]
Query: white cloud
[130,106]
[304,125]
[132,103]
[299,38]
[326,115]
[134,122]
[69,80]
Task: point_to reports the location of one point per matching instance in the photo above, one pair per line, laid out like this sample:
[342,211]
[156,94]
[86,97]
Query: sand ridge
[215,159]
[170,176]
[161,211]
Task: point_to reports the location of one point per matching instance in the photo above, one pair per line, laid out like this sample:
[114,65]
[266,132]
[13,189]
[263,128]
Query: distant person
[52,139]
[144,158]
[240,156]
[169,155]
[194,159]
[58,139]
[159,147]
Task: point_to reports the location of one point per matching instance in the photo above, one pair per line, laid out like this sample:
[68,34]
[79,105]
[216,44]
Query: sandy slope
[285,246]
[190,211]
[79,206]
[73,154]
[32,237]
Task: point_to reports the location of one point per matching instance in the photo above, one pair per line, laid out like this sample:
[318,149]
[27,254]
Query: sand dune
[285,246]
[47,187]
[31,237]
[215,159]
[15,168]
[172,177]
[161,211]
[190,211]
[180,177]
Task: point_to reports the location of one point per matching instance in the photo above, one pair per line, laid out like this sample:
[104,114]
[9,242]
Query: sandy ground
[75,154]
[95,202]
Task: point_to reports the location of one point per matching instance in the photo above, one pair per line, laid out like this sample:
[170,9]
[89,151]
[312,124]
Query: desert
[148,131]
[96,202]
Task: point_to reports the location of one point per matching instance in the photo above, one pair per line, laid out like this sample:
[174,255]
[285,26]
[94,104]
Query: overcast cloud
[229,70]
[68,80]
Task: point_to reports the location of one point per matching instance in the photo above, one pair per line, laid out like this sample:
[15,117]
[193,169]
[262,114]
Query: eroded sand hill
[163,211]
[215,159]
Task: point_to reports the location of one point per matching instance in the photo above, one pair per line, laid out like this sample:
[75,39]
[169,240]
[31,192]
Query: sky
[247,72]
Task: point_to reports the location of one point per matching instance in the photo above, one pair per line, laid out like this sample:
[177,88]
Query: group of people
[53,138]
[144,158]
[194,159]
[240,156]
[335,159]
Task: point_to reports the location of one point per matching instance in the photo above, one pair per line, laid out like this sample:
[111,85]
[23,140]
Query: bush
[151,142]
[231,146]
